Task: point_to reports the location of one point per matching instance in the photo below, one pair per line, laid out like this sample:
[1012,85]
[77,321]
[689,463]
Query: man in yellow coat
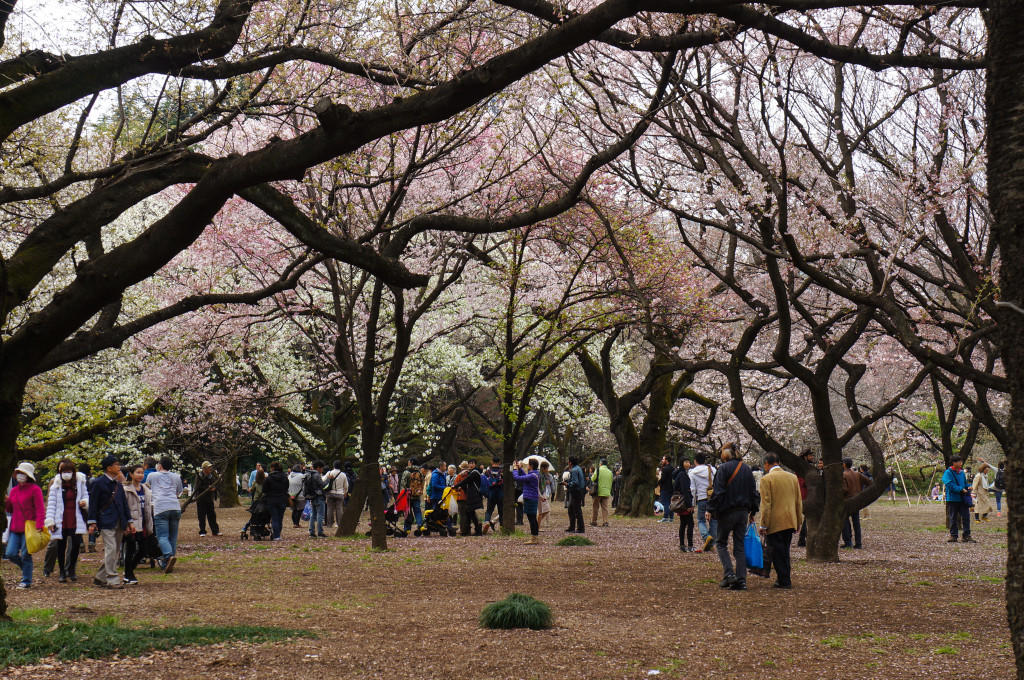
[781,514]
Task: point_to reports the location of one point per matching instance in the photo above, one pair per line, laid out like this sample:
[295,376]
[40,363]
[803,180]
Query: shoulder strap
[733,475]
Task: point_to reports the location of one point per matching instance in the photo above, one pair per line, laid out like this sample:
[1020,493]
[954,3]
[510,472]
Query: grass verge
[29,642]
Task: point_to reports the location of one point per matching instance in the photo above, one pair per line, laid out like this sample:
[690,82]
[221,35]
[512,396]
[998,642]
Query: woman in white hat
[25,502]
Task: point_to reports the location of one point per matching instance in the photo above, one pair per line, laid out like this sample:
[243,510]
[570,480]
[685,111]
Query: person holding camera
[531,494]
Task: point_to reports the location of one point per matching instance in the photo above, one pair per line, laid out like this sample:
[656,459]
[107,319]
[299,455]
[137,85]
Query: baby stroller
[258,526]
[438,519]
[394,514]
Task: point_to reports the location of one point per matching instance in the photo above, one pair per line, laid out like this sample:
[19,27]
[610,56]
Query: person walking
[298,501]
[666,486]
[140,508]
[982,501]
[276,492]
[109,516]
[65,501]
[958,500]
[602,479]
[206,496]
[734,502]
[165,486]
[531,494]
[781,515]
[681,486]
[702,478]
[24,504]
[999,486]
[575,489]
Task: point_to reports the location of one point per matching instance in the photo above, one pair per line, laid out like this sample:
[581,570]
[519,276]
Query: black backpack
[310,489]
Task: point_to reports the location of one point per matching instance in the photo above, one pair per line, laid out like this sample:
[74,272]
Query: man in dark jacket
[206,495]
[665,483]
[576,489]
[494,493]
[853,483]
[108,515]
[734,503]
[313,490]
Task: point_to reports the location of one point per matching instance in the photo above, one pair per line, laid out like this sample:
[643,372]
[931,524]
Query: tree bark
[229,485]
[1005,113]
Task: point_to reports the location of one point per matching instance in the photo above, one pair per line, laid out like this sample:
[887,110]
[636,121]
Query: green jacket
[603,476]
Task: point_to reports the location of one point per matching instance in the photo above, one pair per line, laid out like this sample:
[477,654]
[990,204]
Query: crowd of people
[136,510]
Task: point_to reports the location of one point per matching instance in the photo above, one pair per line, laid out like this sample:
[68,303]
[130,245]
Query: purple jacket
[531,482]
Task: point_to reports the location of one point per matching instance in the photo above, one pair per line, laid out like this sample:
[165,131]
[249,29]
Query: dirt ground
[908,605]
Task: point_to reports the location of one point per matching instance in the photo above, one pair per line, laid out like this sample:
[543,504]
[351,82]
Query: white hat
[29,469]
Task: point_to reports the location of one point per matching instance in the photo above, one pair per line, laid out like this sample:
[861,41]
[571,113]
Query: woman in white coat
[66,499]
[982,501]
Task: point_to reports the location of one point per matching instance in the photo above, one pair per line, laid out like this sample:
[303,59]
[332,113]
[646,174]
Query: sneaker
[130,581]
[116,586]
[664,520]
[202,534]
[967,539]
[99,583]
[218,534]
[23,586]
[696,550]
[727,582]
[708,542]
[781,587]
[951,539]
[62,579]
[487,528]
[321,535]
[608,525]
[169,565]
[738,584]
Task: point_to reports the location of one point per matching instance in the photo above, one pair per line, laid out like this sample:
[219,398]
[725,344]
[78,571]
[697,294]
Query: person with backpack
[467,485]
[734,501]
[494,490]
[336,483]
[412,482]
[576,489]
[298,500]
[313,490]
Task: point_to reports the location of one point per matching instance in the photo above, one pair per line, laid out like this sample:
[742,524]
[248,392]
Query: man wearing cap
[206,494]
[108,514]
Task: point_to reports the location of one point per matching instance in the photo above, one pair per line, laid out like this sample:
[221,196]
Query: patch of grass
[959,636]
[924,583]
[964,604]
[517,611]
[27,643]
[917,636]
[37,615]
[946,650]
[835,641]
[575,541]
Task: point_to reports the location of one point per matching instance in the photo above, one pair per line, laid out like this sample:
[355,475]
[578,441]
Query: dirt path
[907,606]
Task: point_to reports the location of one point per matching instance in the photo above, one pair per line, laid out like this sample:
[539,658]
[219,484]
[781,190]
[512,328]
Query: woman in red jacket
[25,502]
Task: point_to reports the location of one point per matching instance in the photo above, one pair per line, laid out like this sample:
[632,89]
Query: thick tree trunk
[1005,111]
[228,485]
[11,399]
[354,509]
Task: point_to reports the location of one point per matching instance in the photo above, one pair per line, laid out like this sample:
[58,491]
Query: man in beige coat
[781,514]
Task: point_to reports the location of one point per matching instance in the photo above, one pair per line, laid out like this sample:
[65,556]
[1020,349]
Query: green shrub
[575,540]
[516,611]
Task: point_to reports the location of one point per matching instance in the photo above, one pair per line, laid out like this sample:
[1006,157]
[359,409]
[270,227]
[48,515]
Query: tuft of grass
[946,650]
[517,611]
[27,615]
[28,643]
[835,641]
[575,541]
